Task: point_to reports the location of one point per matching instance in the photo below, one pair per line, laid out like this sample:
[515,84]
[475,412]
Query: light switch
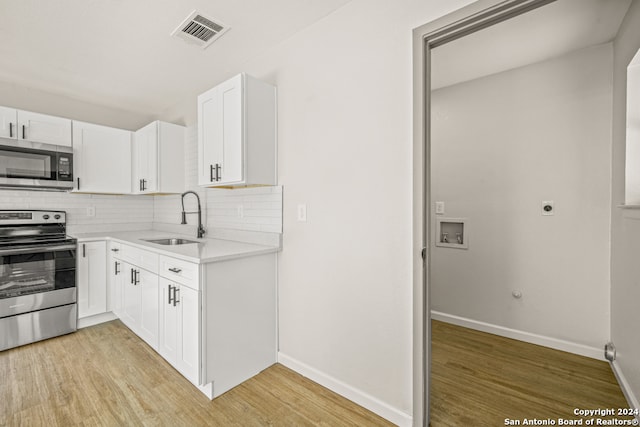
[91,211]
[302,213]
[439,208]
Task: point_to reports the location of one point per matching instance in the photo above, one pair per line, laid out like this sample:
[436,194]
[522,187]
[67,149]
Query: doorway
[506,300]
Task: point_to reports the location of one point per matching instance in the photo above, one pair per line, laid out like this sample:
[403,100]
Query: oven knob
[56,216]
[45,216]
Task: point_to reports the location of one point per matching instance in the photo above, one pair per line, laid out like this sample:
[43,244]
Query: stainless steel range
[37,277]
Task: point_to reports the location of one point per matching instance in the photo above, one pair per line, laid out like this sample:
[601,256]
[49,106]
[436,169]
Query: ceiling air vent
[200,30]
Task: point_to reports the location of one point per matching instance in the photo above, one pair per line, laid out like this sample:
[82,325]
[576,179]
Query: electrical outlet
[240,211]
[302,213]
[91,211]
[439,208]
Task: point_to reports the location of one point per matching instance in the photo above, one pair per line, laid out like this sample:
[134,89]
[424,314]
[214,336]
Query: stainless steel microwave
[32,165]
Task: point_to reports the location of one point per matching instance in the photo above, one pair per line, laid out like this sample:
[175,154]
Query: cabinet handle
[10,130]
[131,276]
[175,295]
[169,294]
[116,268]
[144,184]
[84,250]
[137,277]
[175,270]
[24,132]
[115,250]
[211,178]
[78,183]
[218,174]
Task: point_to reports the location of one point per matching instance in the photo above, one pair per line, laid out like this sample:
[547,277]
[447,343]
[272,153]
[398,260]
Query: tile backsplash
[86,213]
[254,209]
[245,209]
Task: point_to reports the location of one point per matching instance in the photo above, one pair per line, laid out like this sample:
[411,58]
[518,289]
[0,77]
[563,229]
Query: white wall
[625,227]
[38,101]
[501,145]
[345,144]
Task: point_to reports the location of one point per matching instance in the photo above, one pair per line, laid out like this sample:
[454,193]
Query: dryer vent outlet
[610,352]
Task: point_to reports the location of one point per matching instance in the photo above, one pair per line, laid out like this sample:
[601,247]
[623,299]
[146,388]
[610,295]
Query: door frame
[474,17]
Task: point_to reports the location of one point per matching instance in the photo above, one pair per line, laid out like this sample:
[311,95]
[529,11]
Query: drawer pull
[175,270]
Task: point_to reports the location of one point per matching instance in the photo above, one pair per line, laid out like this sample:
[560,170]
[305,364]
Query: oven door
[34,278]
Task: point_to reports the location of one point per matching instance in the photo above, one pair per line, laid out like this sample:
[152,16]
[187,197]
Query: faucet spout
[201,229]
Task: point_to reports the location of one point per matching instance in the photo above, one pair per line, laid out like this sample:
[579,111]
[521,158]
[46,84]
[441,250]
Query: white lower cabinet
[179,328]
[149,310]
[116,278]
[139,309]
[92,278]
[215,323]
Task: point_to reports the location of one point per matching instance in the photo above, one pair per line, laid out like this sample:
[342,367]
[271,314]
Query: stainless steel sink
[170,241]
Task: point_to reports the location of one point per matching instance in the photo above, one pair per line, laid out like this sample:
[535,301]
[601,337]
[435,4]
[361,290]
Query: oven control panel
[32,217]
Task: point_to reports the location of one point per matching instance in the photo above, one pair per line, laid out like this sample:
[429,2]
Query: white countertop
[206,250]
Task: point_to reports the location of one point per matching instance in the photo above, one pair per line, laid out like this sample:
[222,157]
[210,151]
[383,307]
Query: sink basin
[171,241]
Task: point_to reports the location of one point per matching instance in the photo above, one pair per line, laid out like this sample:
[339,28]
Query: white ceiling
[120,54]
[548,32]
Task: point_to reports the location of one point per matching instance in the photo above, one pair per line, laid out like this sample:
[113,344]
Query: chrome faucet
[201,229]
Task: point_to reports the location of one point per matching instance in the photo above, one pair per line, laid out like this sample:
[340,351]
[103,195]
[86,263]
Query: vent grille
[200,30]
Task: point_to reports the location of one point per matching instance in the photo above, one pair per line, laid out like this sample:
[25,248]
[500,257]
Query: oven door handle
[36,250]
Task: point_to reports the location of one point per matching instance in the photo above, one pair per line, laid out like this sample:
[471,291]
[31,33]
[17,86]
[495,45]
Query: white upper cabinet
[237,134]
[102,158]
[43,128]
[8,122]
[158,159]
[28,126]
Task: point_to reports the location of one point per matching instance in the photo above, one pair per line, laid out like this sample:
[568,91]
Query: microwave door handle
[34,250]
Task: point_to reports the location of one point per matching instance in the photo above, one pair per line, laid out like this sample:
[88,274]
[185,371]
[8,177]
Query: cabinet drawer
[183,272]
[140,258]
[115,249]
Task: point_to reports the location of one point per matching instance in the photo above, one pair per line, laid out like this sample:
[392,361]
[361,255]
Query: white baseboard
[355,395]
[94,320]
[632,400]
[568,346]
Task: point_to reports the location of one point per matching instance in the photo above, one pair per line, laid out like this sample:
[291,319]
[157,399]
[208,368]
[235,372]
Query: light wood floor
[105,375]
[480,379]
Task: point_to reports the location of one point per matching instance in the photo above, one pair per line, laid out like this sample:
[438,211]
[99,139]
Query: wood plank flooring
[480,379]
[106,376]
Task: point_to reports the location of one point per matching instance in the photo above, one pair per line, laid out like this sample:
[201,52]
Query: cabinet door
[102,158]
[131,297]
[149,317]
[146,159]
[220,134]
[43,128]
[209,136]
[8,123]
[92,278]
[188,362]
[232,135]
[168,331]
[116,277]
[180,328]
